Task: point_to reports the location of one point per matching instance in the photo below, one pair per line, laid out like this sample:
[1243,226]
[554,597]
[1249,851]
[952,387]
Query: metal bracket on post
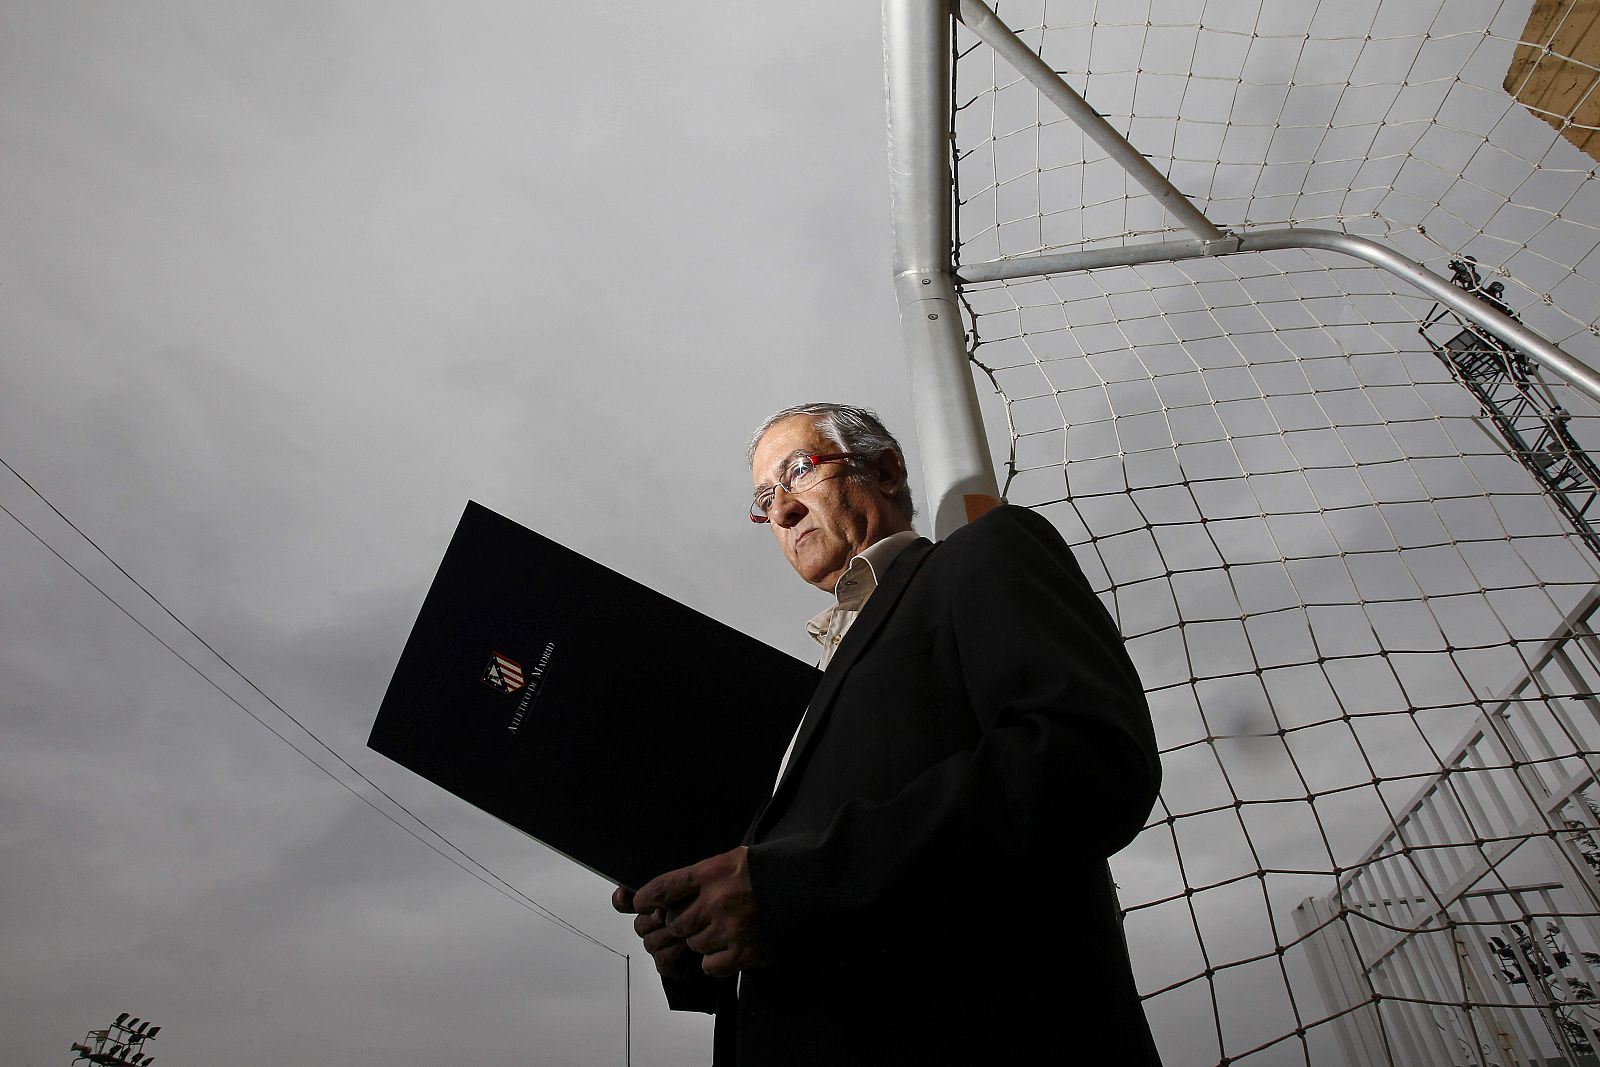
[1229,242]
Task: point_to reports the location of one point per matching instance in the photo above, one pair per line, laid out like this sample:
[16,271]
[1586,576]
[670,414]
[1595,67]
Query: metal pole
[956,466]
[978,18]
[1456,299]
[1088,259]
[627,1010]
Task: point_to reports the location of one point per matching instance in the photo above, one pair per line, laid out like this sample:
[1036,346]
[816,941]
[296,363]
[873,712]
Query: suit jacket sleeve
[1064,771]
[697,994]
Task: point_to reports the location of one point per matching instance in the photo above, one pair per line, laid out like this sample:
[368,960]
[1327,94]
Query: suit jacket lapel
[866,626]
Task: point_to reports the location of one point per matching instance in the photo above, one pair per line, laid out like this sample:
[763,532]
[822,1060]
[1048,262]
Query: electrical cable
[493,880]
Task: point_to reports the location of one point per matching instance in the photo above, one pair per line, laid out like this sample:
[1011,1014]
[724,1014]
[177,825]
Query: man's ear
[891,471]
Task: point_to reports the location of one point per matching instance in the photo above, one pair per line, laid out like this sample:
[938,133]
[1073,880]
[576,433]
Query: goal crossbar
[1373,252]
[916,43]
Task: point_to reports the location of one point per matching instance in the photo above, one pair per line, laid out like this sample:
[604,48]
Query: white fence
[1470,934]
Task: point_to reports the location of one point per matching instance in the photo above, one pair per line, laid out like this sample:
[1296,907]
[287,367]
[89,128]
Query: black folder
[625,730]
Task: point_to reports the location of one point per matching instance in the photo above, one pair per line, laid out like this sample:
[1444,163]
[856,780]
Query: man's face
[820,529]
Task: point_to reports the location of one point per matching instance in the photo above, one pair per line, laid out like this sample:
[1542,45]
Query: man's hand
[712,908]
[673,958]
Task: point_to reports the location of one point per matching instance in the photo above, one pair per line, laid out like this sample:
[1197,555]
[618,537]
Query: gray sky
[287,285]
[286,288]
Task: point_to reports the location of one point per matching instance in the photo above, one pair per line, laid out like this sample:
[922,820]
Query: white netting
[1375,843]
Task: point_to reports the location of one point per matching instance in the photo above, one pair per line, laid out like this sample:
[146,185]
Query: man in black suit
[928,883]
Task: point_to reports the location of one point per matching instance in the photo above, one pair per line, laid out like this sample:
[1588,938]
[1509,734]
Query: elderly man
[928,882]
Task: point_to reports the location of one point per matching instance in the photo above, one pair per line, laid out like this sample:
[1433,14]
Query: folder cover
[625,730]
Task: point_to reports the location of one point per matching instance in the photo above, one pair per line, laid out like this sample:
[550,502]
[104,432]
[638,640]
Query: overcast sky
[284,287]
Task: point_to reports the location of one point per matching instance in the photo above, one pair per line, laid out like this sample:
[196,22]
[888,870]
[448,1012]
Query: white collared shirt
[851,592]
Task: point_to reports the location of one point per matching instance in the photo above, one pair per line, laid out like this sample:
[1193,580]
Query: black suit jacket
[930,874]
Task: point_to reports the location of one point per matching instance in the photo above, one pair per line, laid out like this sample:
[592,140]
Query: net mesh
[1363,622]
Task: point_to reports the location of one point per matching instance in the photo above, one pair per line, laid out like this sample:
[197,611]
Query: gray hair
[850,429]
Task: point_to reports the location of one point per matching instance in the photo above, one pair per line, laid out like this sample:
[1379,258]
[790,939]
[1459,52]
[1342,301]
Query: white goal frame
[957,468]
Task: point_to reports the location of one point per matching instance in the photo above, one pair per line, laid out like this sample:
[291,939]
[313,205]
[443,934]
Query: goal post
[957,471]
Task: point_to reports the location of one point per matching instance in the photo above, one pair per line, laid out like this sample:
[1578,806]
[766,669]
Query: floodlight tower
[119,1045]
[1532,426]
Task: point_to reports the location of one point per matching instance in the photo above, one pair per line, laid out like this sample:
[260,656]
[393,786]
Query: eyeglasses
[801,474]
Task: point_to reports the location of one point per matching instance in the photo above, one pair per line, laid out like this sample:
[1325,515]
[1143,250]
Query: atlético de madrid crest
[503,673]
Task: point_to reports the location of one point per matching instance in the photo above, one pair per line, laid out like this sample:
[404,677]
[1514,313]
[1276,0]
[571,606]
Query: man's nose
[786,509]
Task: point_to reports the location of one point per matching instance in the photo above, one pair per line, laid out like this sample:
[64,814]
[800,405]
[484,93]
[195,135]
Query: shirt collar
[860,579]
[861,576]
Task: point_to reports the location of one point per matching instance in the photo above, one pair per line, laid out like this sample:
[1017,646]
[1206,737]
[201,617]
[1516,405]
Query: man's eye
[764,501]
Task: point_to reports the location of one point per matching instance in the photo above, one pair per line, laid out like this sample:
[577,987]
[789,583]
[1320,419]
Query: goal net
[1344,529]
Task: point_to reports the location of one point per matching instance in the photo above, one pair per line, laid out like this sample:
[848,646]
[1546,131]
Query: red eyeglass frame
[816,459]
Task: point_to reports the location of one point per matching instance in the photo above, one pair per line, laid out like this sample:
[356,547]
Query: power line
[493,880]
